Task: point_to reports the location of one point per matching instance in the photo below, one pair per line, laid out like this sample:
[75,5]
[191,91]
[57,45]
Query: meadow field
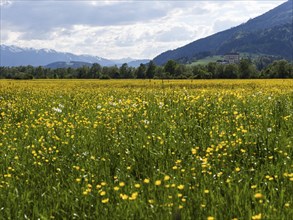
[146,149]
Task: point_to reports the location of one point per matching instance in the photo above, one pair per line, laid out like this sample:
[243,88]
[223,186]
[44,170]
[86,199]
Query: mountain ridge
[18,56]
[211,45]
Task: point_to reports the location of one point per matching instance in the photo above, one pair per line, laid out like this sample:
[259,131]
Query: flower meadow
[146,149]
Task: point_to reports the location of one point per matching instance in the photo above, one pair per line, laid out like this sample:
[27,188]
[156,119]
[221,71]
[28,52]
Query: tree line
[245,69]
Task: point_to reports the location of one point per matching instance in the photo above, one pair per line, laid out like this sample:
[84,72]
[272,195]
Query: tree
[230,71]
[95,71]
[141,71]
[246,69]
[151,70]
[125,71]
[278,69]
[171,67]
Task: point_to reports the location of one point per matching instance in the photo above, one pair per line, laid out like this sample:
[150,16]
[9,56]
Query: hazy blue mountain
[77,64]
[131,62]
[72,64]
[16,56]
[270,33]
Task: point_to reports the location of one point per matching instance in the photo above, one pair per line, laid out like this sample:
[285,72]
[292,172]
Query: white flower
[99,106]
[269,129]
[57,109]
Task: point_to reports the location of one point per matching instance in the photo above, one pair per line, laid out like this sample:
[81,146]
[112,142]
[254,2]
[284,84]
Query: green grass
[146,149]
[207,60]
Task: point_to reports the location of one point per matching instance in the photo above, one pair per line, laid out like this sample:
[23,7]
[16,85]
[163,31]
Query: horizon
[141,30]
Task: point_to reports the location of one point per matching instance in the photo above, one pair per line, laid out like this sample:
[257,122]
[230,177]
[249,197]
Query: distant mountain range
[268,34]
[17,56]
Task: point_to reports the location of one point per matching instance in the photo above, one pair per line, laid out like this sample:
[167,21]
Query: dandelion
[146,181]
[210,218]
[206,191]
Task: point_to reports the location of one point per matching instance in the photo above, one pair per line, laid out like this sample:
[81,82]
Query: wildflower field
[146,149]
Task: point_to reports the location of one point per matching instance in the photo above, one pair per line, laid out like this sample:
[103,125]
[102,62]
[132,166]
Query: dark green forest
[262,67]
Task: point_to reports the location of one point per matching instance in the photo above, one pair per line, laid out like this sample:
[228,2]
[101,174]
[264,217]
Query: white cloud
[115,29]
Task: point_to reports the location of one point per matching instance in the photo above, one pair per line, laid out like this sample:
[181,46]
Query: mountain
[72,64]
[270,34]
[17,56]
[131,62]
[77,64]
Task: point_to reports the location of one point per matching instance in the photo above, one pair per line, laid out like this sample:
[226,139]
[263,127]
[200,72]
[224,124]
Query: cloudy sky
[116,29]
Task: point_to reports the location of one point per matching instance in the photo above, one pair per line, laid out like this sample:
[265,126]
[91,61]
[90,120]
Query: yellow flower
[116,188]
[151,201]
[258,196]
[253,186]
[180,187]
[133,196]
[123,196]
[105,200]
[121,184]
[146,180]
[174,167]
[206,191]
[237,169]
[137,185]
[158,182]
[256,217]
[102,193]
[166,178]
[210,218]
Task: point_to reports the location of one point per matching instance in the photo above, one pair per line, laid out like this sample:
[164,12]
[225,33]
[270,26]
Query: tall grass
[146,149]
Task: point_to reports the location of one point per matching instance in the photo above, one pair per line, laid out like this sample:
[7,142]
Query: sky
[120,29]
